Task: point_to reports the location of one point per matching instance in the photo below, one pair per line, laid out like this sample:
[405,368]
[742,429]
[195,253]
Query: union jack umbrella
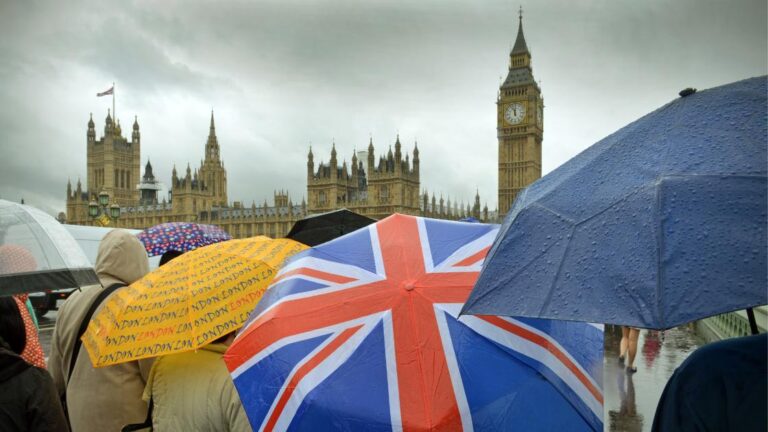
[362,333]
[180,237]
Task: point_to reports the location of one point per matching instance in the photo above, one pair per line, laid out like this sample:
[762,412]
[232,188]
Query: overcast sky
[283,74]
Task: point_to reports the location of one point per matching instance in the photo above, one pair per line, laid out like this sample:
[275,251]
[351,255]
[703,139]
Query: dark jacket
[28,400]
[720,387]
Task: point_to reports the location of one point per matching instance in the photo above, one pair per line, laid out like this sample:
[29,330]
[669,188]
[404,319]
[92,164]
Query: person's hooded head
[121,258]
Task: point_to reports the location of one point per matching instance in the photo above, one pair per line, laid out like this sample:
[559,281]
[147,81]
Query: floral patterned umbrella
[180,236]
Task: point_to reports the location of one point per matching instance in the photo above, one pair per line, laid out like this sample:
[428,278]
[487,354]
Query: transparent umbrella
[37,253]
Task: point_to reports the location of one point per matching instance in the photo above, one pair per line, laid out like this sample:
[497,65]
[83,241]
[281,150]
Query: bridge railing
[732,324]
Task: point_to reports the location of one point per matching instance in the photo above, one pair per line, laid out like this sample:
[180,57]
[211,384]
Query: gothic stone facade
[375,188]
[200,195]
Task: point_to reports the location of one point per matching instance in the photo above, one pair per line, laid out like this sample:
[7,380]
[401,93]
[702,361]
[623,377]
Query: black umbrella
[320,228]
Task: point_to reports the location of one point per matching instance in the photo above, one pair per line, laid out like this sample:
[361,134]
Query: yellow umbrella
[187,303]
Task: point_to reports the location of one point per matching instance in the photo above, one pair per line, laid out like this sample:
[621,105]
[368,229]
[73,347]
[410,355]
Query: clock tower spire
[520,126]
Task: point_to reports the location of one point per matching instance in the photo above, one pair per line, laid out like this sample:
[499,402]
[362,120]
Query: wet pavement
[631,399]
[46,323]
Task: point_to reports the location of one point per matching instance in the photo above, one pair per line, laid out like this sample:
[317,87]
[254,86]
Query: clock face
[540,116]
[515,113]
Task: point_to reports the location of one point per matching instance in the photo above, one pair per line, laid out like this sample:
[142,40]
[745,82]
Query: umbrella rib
[514,275]
[189,302]
[659,231]
[34,220]
[547,300]
[659,254]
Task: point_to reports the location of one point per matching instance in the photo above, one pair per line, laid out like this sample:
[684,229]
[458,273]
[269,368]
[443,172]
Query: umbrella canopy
[320,228]
[180,236]
[361,333]
[187,303]
[37,253]
[659,224]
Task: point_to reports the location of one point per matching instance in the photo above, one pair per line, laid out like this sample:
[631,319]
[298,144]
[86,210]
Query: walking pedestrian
[193,391]
[28,400]
[628,347]
[100,399]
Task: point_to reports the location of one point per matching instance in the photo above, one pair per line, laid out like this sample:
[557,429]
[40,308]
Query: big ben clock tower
[520,125]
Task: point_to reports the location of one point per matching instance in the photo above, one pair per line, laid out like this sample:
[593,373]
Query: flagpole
[114,114]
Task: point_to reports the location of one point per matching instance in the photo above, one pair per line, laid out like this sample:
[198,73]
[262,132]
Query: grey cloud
[282,74]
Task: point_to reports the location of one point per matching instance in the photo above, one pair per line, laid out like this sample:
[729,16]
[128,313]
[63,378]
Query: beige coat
[103,399]
[193,391]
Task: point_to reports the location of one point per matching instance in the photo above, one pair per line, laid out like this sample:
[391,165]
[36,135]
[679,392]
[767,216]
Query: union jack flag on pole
[107,92]
[363,333]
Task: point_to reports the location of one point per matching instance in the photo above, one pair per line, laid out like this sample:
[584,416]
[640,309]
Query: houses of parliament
[373,186]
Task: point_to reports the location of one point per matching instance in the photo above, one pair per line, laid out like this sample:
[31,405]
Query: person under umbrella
[628,347]
[28,399]
[193,391]
[17,259]
[100,399]
[184,314]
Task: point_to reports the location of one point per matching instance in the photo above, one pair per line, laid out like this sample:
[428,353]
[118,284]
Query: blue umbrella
[659,224]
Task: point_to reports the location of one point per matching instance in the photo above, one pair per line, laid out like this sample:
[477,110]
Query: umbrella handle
[752,321]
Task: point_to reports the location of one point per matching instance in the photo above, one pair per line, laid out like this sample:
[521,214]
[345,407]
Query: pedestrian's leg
[632,349]
[624,343]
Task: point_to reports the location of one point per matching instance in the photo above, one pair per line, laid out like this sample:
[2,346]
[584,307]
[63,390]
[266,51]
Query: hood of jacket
[121,258]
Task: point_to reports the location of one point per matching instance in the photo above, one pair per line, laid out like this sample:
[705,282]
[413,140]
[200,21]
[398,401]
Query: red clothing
[33,352]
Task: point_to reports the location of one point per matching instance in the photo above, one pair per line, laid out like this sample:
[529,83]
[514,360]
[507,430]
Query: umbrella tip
[687,92]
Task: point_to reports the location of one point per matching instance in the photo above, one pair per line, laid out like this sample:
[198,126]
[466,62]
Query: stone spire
[520,46]
[398,146]
[519,61]
[415,157]
[371,158]
[310,163]
[109,126]
[212,145]
[148,174]
[334,162]
[135,136]
[91,130]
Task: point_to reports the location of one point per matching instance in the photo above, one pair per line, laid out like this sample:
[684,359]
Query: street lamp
[102,211]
